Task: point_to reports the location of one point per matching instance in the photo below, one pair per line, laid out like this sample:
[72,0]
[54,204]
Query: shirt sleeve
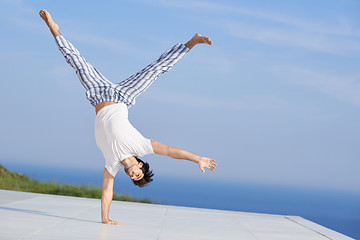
[149,146]
[145,148]
[113,169]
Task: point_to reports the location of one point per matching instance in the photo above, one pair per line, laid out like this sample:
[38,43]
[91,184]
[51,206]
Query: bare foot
[201,39]
[111,222]
[198,39]
[54,28]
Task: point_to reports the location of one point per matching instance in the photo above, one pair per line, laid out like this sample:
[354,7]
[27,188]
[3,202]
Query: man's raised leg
[139,82]
[54,28]
[93,81]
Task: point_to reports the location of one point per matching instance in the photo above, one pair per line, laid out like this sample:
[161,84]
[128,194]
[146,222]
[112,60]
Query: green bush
[20,182]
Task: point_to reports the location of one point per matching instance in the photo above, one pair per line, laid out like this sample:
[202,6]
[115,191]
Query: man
[120,143]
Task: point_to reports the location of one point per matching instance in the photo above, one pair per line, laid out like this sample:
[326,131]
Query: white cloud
[256,103]
[105,42]
[27,18]
[20,14]
[19,5]
[64,75]
[343,27]
[337,37]
[290,37]
[345,88]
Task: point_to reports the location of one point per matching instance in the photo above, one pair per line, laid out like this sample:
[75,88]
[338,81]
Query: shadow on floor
[44,214]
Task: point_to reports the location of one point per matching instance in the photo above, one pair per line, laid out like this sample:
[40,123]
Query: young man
[120,143]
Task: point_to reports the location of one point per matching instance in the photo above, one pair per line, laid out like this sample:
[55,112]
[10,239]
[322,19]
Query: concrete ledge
[41,216]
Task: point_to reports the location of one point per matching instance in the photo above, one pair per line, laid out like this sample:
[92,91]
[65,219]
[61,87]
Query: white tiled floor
[39,216]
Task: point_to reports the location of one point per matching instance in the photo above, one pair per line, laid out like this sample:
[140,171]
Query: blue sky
[274,100]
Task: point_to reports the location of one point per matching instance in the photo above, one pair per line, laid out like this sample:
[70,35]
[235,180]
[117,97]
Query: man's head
[140,173]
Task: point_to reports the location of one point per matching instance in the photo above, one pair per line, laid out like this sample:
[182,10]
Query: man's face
[135,172]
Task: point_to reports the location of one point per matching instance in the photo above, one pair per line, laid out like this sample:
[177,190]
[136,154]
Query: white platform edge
[326,232]
[14,196]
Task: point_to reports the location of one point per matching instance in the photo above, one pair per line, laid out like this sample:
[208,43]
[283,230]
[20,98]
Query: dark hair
[147,174]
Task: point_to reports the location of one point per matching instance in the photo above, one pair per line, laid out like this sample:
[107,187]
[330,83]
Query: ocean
[334,209]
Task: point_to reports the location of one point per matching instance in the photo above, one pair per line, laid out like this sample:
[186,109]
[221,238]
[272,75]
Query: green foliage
[19,182]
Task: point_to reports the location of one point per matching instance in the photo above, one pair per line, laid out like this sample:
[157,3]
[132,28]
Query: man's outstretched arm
[106,197]
[178,153]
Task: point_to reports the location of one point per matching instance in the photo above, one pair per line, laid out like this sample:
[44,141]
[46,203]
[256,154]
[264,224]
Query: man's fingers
[212,161]
[213,164]
[207,163]
[212,168]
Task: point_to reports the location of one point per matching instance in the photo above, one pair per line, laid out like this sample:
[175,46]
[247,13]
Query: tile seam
[308,227]
[162,223]
[54,224]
